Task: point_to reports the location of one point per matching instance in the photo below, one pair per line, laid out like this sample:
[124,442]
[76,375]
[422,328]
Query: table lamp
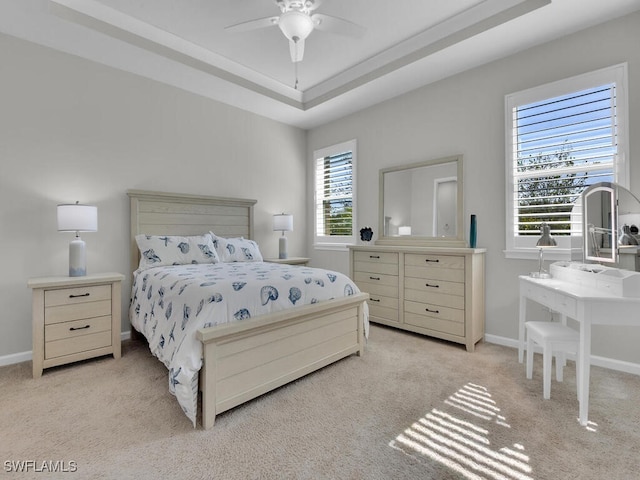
[77,218]
[283,223]
[545,241]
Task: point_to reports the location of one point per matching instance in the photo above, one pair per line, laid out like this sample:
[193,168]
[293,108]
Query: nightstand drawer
[72,296]
[84,343]
[77,328]
[64,313]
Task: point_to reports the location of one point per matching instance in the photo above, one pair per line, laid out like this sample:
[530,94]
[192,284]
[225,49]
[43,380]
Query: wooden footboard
[246,359]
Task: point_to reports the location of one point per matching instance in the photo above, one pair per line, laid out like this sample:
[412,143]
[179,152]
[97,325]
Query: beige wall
[465,115]
[74,130]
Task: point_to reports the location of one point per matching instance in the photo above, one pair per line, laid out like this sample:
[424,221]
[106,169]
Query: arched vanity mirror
[610,222]
[422,204]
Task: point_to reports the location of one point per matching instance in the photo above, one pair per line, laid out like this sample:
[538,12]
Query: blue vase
[473,232]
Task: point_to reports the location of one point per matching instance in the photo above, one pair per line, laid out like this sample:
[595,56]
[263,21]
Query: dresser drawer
[376,262]
[434,311]
[451,301]
[447,268]
[376,278]
[440,261]
[434,286]
[435,323]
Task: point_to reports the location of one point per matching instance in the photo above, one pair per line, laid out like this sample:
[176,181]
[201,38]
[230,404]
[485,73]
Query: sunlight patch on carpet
[462,444]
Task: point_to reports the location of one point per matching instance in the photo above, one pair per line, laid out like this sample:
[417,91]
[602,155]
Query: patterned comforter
[170,303]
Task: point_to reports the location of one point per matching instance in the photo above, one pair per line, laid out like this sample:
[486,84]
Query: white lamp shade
[77,218]
[283,222]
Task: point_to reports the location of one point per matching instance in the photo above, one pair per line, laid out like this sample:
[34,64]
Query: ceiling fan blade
[253,24]
[297,50]
[327,23]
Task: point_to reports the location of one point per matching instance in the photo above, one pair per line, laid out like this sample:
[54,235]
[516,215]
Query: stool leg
[529,357]
[547,354]
[560,362]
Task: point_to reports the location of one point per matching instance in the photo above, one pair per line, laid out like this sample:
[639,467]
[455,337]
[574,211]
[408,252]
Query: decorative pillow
[157,250]
[236,249]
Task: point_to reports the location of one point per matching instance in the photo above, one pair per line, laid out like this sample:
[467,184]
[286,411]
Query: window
[561,138]
[335,195]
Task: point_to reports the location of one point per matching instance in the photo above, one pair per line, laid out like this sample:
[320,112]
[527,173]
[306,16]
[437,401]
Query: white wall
[72,130]
[465,115]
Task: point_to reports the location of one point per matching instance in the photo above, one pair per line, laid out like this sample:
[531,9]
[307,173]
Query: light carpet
[410,408]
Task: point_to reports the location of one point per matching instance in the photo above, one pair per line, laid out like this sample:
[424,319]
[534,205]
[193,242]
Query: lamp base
[282,244]
[540,275]
[77,258]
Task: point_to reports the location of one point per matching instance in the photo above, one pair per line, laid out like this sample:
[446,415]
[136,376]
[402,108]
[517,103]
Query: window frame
[525,246]
[335,242]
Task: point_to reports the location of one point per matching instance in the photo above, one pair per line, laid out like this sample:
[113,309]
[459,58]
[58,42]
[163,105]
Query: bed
[241,360]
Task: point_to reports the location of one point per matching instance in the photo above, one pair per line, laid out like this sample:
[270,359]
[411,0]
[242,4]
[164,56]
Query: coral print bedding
[170,303]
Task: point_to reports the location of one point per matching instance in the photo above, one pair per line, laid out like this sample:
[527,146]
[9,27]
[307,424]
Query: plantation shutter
[334,190]
[561,146]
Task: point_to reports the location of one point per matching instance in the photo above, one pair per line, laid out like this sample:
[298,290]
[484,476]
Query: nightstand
[289,261]
[75,318]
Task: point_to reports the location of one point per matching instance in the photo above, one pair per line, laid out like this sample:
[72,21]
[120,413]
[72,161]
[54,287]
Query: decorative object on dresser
[545,241]
[435,291]
[473,231]
[366,234]
[75,318]
[282,223]
[77,218]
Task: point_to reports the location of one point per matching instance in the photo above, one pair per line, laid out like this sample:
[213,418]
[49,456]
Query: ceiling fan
[297,21]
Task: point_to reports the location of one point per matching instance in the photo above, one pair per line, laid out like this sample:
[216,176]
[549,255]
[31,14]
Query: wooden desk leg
[521,319]
[584,354]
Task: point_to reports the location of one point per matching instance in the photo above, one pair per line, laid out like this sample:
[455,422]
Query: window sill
[342,247]
[549,254]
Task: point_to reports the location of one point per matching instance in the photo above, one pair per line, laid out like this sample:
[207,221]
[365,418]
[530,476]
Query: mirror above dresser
[422,204]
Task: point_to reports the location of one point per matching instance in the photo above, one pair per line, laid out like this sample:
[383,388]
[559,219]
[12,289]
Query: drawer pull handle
[430,260]
[374,278]
[432,311]
[432,286]
[374,299]
[374,256]
[79,328]
[81,295]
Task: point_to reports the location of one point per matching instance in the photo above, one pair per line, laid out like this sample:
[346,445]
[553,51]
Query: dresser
[75,318]
[435,291]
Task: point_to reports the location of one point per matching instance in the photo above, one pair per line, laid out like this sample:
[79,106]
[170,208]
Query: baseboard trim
[28,356]
[596,360]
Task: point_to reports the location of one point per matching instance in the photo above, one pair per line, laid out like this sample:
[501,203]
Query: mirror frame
[418,240]
[603,187]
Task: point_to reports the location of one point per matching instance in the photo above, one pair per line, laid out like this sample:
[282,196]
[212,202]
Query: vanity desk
[435,291]
[590,294]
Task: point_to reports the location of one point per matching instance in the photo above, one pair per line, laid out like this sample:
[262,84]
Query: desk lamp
[545,241]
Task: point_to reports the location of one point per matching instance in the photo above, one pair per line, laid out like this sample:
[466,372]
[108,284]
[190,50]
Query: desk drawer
[540,295]
[557,302]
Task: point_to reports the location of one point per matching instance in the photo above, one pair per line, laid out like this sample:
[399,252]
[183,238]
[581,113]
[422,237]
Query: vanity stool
[555,339]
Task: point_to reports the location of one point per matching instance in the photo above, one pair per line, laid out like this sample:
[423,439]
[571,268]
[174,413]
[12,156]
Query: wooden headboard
[160,213]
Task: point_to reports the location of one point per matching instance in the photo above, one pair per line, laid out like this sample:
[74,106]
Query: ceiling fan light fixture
[295,25]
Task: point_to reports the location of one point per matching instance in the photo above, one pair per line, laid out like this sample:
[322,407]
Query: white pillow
[236,249]
[158,250]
